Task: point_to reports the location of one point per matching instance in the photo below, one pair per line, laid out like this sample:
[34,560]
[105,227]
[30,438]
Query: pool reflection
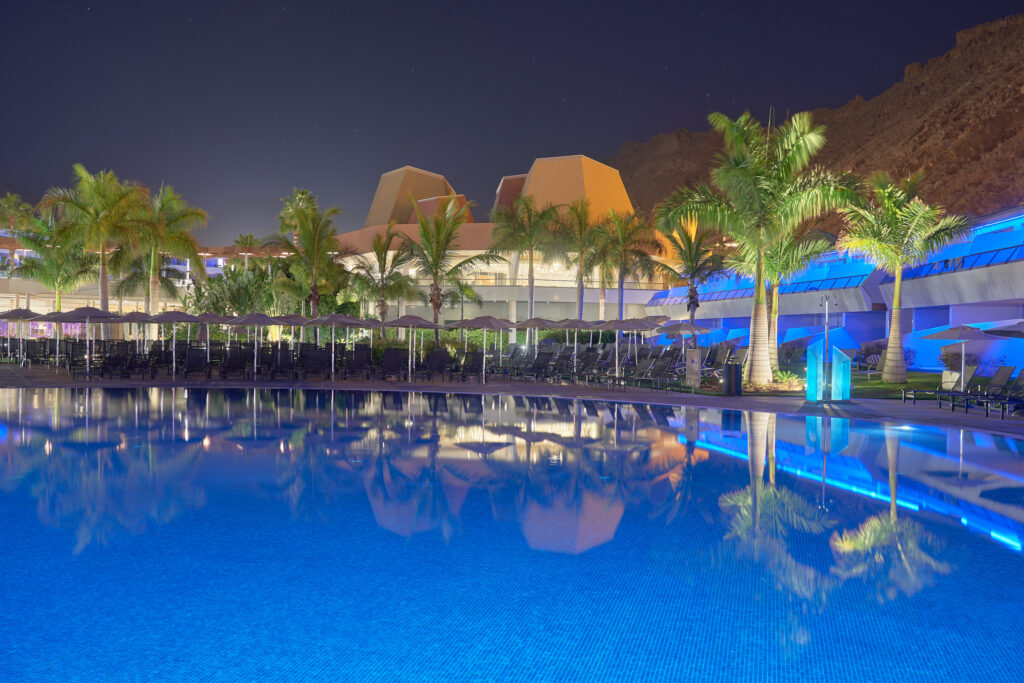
[105,463]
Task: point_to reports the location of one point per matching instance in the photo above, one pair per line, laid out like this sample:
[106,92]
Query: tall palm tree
[434,255]
[103,212]
[298,203]
[626,243]
[896,229]
[380,278]
[57,264]
[459,294]
[169,233]
[136,274]
[690,258]
[524,229]
[763,189]
[787,256]
[313,256]
[575,233]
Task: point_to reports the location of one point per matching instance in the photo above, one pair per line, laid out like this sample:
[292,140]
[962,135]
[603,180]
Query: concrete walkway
[873,409]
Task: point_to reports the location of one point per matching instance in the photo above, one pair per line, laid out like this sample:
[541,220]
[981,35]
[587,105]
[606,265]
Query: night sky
[235,103]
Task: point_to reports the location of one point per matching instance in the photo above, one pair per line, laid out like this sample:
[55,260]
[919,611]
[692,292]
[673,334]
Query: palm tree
[169,233]
[434,254]
[763,191]
[57,264]
[626,243]
[896,230]
[692,261]
[103,213]
[380,279]
[299,202]
[459,293]
[576,234]
[137,274]
[789,255]
[313,256]
[524,229]
[15,213]
[249,242]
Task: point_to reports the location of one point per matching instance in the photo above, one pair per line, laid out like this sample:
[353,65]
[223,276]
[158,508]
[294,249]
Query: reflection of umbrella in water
[483,447]
[571,527]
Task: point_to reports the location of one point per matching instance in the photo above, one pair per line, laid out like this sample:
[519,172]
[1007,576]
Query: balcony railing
[741,293]
[982,259]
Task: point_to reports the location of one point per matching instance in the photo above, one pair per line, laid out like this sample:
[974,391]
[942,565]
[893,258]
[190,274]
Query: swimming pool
[311,535]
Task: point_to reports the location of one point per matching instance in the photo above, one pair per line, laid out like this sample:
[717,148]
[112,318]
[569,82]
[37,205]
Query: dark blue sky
[235,103]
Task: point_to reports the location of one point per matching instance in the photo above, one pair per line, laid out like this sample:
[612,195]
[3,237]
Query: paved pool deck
[874,409]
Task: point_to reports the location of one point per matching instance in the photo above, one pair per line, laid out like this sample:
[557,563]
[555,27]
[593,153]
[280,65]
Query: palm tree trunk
[56,299]
[104,293]
[693,315]
[153,294]
[601,303]
[579,289]
[622,290]
[435,303]
[530,283]
[773,331]
[892,455]
[758,369]
[895,369]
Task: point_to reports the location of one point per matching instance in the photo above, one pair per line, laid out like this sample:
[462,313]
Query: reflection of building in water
[977,490]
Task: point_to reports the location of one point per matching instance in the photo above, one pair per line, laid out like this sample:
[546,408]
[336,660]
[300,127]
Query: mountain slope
[959,118]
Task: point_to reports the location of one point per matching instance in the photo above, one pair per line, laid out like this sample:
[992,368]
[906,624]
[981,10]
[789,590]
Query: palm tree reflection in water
[761,517]
[886,550]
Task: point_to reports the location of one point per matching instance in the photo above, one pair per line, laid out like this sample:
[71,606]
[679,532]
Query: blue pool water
[275,535]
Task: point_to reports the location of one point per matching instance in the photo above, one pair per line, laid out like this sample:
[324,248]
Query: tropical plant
[458,294]
[57,264]
[380,279]
[249,242]
[626,244]
[313,257]
[895,230]
[689,257]
[763,191]
[787,256]
[434,255]
[15,213]
[169,234]
[135,275]
[293,207]
[576,235]
[102,213]
[235,292]
[524,229]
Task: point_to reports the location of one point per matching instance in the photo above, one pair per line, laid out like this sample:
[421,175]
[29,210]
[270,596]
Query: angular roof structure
[430,205]
[563,180]
[391,201]
[509,189]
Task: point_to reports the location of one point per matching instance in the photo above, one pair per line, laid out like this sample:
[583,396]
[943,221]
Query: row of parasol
[89,316]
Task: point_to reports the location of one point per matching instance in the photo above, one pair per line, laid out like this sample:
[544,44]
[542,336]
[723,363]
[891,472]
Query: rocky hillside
[959,118]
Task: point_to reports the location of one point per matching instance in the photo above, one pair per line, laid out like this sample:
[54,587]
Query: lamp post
[827,299]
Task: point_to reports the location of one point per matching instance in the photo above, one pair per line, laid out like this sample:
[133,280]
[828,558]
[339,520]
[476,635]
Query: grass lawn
[876,388]
[872,388]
